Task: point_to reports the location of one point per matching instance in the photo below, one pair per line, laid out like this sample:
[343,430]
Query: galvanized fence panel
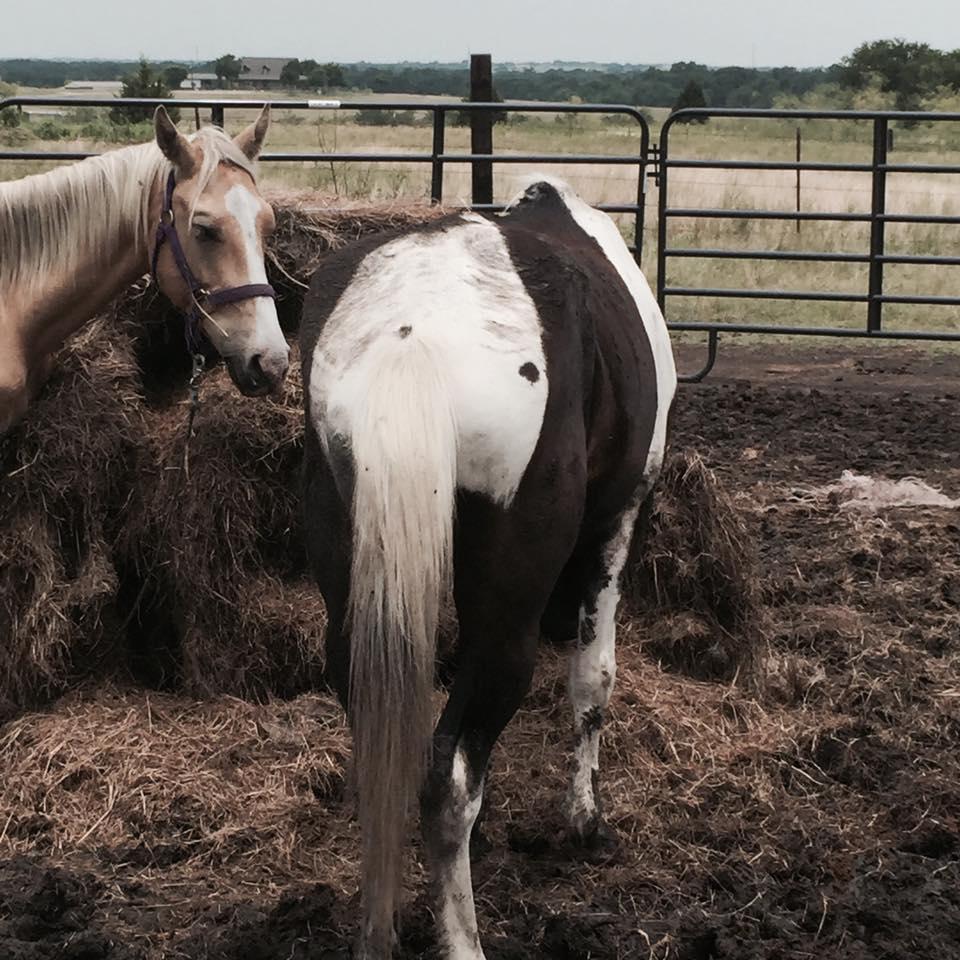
[873,295]
[654,163]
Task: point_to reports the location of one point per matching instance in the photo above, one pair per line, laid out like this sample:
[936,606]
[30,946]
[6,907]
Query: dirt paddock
[813,813]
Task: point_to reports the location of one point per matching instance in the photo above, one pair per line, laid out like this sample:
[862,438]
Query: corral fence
[438,158]
[874,296]
[652,164]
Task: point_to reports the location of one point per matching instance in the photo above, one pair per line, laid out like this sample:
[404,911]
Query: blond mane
[55,223]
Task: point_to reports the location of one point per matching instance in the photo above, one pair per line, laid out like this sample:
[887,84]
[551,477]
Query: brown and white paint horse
[74,238]
[486,410]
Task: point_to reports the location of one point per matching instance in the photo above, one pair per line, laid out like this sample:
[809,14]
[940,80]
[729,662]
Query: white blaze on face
[266,338]
[456,296]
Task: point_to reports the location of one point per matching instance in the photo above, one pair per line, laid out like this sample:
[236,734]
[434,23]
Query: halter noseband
[167,232]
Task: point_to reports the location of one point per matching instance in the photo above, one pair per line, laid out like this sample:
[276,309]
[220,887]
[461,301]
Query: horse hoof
[596,840]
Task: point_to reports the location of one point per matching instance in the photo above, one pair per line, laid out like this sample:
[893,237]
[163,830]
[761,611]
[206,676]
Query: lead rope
[196,373]
[195,380]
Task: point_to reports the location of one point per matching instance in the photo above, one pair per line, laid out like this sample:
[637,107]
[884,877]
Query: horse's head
[209,257]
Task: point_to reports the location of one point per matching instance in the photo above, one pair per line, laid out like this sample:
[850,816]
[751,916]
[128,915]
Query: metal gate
[655,164]
[873,296]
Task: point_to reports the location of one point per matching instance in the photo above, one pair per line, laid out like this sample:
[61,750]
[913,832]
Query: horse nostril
[264,372]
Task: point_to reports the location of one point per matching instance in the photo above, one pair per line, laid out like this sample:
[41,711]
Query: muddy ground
[811,814]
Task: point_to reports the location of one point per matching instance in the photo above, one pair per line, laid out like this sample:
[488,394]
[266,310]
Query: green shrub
[101,130]
[12,116]
[143,83]
[51,130]
[82,115]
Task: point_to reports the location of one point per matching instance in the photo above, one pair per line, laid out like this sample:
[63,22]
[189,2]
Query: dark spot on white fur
[591,721]
[530,372]
[404,332]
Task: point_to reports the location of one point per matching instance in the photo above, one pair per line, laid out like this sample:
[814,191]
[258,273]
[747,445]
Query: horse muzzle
[258,374]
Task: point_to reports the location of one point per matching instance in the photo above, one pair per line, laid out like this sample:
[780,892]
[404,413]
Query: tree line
[646,86]
[908,71]
[57,73]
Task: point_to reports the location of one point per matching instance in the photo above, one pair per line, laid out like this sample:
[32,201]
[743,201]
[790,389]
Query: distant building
[262,73]
[200,81]
[93,86]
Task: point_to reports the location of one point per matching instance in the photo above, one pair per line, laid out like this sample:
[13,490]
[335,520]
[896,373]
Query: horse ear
[173,144]
[251,140]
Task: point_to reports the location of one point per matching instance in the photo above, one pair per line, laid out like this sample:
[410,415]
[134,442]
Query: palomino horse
[74,238]
[486,409]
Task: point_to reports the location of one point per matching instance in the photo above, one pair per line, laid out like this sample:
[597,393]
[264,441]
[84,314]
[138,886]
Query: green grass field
[328,131]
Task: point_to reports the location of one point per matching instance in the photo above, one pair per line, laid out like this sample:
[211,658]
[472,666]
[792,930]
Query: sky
[741,32]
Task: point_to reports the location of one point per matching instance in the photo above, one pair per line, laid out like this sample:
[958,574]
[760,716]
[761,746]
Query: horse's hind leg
[593,669]
[484,697]
[499,605]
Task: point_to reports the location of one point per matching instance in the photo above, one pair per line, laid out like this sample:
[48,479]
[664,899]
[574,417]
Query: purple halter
[167,232]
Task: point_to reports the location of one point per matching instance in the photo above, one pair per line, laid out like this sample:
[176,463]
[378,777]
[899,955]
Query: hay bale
[217,543]
[307,229]
[94,513]
[222,555]
[66,470]
[89,477]
[693,570]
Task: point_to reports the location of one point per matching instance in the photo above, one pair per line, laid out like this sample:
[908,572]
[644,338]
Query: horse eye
[206,234]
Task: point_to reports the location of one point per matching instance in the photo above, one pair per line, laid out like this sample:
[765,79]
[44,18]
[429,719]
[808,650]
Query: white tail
[404,445]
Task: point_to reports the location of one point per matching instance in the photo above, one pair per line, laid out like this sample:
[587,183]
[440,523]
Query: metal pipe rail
[437,158]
